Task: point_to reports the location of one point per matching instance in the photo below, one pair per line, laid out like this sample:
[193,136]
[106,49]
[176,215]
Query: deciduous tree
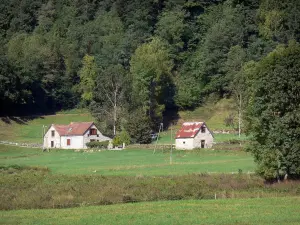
[273,115]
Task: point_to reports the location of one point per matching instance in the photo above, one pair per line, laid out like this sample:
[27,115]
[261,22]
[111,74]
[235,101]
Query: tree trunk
[115,111]
[240,114]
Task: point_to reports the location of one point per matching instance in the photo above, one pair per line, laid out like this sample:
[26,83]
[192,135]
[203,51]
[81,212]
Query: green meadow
[168,137]
[130,161]
[230,211]
[30,129]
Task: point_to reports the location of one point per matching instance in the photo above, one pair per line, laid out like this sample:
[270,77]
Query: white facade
[203,139]
[76,142]
[184,143]
[52,139]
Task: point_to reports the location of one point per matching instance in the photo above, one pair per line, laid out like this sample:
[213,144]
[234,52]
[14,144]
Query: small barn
[194,135]
[72,136]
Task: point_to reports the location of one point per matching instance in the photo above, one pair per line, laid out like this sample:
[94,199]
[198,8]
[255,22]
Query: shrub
[234,141]
[96,144]
[121,138]
[124,137]
[116,141]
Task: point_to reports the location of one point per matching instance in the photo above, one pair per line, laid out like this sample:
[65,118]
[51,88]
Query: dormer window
[93,131]
[203,129]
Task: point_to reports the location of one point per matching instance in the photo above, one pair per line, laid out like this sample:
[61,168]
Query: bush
[96,144]
[121,138]
[117,141]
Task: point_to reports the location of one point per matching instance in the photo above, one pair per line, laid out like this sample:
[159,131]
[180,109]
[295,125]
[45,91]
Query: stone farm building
[194,135]
[72,136]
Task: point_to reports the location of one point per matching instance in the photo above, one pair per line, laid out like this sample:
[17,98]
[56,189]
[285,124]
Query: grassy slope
[129,162]
[230,211]
[29,130]
[212,114]
[25,129]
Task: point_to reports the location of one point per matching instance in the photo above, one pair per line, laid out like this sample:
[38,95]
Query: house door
[52,144]
[202,143]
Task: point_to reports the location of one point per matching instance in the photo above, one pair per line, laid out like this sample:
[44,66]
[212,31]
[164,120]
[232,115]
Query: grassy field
[233,211]
[212,113]
[30,129]
[129,162]
[165,137]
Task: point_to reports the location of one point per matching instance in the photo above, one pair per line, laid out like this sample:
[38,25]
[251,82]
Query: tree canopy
[122,58]
[273,114]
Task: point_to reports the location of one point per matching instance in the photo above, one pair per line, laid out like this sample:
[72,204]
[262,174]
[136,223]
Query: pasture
[30,129]
[130,161]
[231,211]
[168,137]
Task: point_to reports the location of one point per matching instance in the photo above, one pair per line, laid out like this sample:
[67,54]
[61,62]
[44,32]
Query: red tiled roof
[78,128]
[189,129]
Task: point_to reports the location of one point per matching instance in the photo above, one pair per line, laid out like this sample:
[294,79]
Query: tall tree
[88,74]
[235,60]
[279,20]
[171,28]
[151,67]
[273,117]
[111,96]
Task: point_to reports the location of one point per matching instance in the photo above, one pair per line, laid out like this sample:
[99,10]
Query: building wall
[184,143]
[192,143]
[207,137]
[76,142]
[99,137]
[48,138]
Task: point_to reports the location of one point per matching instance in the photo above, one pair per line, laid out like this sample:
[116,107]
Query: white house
[72,136]
[194,135]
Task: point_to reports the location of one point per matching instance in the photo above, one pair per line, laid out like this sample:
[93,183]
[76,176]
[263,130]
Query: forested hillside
[132,62]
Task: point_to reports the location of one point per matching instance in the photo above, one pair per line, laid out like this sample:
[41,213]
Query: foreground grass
[129,162]
[233,211]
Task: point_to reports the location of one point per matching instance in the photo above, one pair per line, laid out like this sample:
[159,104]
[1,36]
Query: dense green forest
[131,62]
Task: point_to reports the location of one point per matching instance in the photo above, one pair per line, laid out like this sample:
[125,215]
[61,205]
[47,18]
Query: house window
[203,129]
[52,144]
[52,133]
[93,131]
[68,142]
[184,142]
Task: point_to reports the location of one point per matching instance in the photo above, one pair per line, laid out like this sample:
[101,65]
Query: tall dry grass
[32,188]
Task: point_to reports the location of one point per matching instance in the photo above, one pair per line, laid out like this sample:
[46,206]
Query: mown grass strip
[230,211]
[129,162]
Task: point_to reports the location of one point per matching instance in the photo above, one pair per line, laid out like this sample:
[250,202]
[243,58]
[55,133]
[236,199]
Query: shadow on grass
[19,120]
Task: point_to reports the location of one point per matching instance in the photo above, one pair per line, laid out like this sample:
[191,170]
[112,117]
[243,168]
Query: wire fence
[129,199]
[27,145]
